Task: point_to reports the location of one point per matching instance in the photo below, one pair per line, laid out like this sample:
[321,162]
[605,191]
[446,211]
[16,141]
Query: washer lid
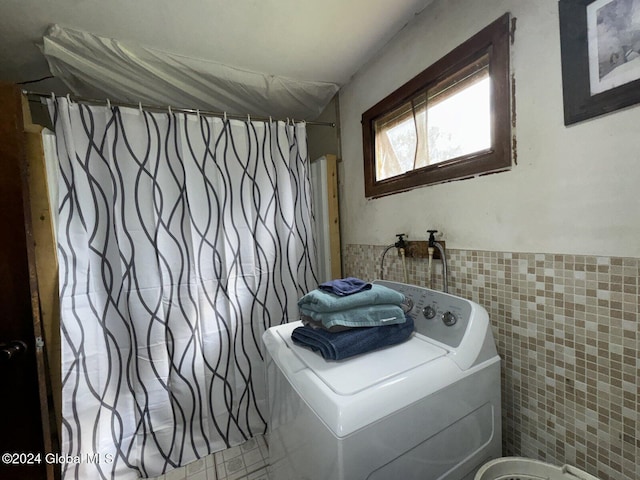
[352,375]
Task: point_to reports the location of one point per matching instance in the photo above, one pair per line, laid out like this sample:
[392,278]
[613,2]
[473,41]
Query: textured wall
[573,190]
[567,330]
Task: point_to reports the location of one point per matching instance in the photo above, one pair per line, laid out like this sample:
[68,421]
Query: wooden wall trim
[334,216]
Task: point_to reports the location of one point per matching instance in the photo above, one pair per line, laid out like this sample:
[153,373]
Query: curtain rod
[208,113]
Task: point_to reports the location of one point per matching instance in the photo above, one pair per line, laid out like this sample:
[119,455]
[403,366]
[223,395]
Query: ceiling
[305,40]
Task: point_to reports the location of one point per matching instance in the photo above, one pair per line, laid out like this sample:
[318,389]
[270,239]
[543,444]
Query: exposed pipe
[404,265]
[430,250]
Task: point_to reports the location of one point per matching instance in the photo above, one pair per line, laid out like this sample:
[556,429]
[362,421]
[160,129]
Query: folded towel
[310,322]
[321,301]
[345,286]
[367,316]
[341,345]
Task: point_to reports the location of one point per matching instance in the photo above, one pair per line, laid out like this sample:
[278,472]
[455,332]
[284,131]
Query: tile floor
[244,462]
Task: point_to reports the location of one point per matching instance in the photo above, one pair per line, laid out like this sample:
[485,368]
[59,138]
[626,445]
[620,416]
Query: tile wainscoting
[567,330]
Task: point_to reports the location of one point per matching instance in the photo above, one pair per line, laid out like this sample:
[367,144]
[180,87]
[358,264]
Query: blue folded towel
[341,345]
[345,286]
[367,316]
[321,301]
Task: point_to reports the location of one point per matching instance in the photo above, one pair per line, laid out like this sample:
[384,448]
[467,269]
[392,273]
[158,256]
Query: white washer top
[350,376]
[350,394]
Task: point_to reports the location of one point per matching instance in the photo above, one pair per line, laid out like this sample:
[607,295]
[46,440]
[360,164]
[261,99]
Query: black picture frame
[579,103]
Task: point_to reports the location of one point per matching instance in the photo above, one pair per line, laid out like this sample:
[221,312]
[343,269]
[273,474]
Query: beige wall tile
[566,327]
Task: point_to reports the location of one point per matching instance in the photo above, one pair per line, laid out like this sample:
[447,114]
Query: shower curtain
[181,238]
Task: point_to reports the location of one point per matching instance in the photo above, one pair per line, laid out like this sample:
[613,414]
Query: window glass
[401,139]
[461,123]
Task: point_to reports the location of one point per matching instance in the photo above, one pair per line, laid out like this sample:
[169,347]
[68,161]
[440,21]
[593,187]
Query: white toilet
[428,408]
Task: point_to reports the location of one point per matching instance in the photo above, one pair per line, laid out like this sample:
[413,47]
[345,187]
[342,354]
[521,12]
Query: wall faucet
[435,244]
[401,245]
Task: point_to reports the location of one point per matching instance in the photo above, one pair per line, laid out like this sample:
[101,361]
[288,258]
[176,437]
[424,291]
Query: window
[452,121]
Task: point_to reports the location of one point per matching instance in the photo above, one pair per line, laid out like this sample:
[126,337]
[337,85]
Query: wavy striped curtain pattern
[181,239]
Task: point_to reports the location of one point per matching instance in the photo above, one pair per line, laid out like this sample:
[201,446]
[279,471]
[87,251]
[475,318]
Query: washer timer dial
[429,312]
[449,318]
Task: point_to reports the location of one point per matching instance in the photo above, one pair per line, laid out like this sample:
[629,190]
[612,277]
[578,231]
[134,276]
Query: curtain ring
[170,111]
[140,107]
[248,118]
[108,104]
[225,116]
[198,112]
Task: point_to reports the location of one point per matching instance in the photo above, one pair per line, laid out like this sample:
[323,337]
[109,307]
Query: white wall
[321,139]
[575,190]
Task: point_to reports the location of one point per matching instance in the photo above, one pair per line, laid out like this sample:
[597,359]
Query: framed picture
[600,48]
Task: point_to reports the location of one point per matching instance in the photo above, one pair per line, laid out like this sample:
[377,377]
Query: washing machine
[427,409]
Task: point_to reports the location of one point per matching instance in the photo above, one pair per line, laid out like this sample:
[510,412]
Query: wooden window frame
[494,41]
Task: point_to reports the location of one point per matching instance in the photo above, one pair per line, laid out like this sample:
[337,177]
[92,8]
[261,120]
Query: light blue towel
[320,301]
[368,316]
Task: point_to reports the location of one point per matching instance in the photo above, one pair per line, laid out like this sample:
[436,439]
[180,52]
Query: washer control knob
[449,319]
[429,312]
[407,306]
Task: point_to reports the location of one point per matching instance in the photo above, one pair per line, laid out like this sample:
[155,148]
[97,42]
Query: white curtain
[181,239]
